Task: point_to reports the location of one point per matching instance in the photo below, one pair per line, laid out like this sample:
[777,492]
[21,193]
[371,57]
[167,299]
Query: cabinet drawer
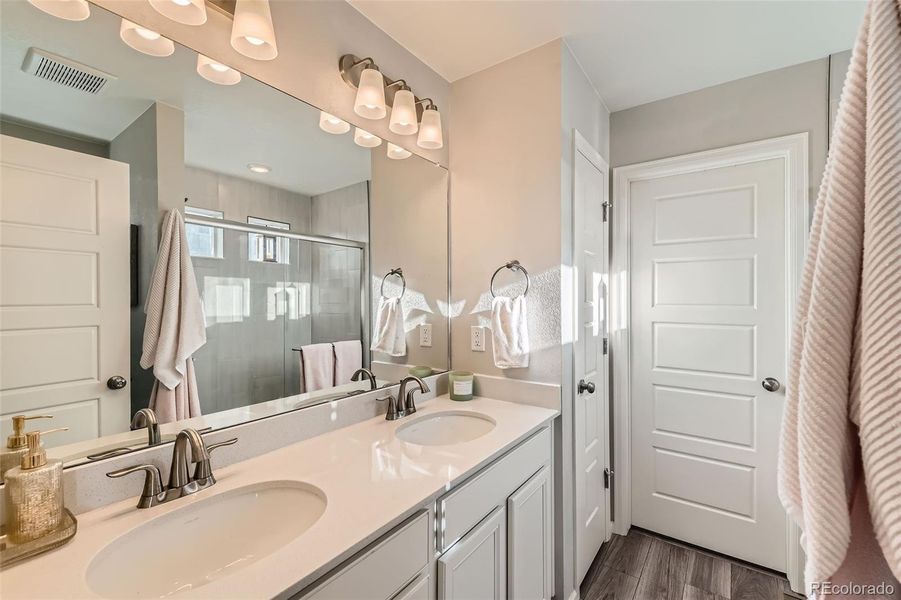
[419,589]
[384,568]
[462,508]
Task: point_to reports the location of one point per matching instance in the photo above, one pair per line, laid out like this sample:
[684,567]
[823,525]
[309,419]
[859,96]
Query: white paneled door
[64,292]
[708,317]
[590,408]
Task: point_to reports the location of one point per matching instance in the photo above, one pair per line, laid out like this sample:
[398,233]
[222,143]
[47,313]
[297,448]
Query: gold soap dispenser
[34,492]
[16,444]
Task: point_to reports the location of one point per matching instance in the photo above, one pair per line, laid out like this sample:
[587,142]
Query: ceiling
[226,127]
[634,52]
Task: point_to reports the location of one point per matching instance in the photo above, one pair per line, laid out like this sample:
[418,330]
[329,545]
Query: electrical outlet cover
[477,338]
[425,335]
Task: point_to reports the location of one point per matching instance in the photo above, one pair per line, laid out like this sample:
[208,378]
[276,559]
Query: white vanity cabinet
[476,566]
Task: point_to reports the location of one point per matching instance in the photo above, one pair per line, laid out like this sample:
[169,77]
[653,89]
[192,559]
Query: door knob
[586,386]
[771,384]
[116,382]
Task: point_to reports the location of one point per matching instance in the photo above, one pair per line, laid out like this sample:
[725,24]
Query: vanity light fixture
[70,10]
[403,113]
[332,124]
[430,135]
[216,72]
[370,100]
[186,12]
[395,152]
[365,139]
[145,40]
[252,32]
[259,168]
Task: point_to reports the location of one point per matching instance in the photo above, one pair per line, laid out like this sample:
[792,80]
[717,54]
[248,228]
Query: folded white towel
[317,363]
[348,358]
[389,335]
[509,328]
[175,327]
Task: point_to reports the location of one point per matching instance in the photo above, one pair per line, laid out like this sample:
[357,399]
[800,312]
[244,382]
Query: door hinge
[606,206]
[608,475]
[605,345]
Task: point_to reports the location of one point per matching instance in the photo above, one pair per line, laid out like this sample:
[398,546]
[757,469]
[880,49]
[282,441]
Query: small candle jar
[460,385]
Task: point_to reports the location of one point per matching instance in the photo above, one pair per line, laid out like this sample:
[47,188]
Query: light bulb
[252,32]
[216,72]
[145,40]
[395,152]
[70,10]
[365,139]
[332,124]
[217,67]
[430,136]
[186,12]
[370,100]
[258,168]
[403,113]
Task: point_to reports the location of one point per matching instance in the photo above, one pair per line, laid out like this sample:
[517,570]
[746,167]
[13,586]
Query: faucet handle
[230,442]
[153,481]
[203,470]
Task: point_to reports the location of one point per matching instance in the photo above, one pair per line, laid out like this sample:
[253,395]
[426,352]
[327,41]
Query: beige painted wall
[505,203]
[311,38]
[408,229]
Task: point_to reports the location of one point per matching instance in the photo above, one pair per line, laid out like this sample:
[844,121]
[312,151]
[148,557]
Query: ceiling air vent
[63,71]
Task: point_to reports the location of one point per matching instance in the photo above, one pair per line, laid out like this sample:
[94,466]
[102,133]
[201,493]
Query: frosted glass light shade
[187,12]
[370,102]
[430,136]
[365,139]
[216,72]
[395,152]
[70,10]
[332,124]
[252,32]
[145,40]
[403,114]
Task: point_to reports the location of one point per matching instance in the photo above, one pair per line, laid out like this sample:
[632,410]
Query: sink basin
[446,428]
[207,540]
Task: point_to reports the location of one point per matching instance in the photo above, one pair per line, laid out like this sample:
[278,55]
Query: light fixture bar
[352,66]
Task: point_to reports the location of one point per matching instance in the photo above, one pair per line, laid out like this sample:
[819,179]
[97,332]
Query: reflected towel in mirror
[389,335]
[348,358]
[317,363]
[509,328]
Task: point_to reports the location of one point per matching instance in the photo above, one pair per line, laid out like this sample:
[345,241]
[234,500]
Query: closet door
[530,540]
[475,567]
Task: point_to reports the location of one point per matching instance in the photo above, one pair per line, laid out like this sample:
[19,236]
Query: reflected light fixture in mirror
[403,113]
[370,101]
[332,124]
[186,12]
[216,72]
[252,32]
[145,40]
[70,10]
[395,152]
[365,139]
[259,168]
[430,136]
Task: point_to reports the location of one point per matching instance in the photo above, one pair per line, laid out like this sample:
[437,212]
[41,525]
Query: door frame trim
[793,149]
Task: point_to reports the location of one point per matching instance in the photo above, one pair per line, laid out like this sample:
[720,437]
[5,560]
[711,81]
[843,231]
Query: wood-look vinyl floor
[642,566]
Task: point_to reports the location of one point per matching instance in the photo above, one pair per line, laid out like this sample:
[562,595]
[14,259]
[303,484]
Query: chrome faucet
[180,482]
[360,374]
[405,398]
[147,418]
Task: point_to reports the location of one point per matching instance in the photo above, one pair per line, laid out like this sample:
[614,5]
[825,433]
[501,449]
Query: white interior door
[708,317]
[590,430]
[64,293]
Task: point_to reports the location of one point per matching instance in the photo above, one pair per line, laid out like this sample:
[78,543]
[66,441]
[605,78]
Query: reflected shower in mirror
[290,227]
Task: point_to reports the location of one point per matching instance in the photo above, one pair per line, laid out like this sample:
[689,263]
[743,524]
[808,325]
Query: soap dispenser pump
[34,492]
[16,444]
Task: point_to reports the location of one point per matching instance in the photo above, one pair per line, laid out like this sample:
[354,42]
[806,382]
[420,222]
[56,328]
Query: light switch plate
[477,338]
[425,335]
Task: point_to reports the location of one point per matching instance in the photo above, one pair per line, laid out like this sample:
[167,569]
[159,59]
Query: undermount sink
[205,541]
[446,428]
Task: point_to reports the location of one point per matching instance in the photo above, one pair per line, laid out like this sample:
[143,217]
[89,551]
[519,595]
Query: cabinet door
[530,539]
[475,567]
[420,589]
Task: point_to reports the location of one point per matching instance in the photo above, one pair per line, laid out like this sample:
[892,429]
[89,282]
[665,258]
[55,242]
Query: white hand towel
[317,363]
[389,335]
[174,328]
[510,330]
[348,358]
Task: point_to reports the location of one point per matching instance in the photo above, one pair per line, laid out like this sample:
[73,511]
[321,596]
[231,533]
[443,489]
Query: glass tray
[11,553]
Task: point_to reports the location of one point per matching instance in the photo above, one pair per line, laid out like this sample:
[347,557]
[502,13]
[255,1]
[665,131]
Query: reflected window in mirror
[204,241]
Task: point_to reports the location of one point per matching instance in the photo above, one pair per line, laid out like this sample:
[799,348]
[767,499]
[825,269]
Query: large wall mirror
[296,236]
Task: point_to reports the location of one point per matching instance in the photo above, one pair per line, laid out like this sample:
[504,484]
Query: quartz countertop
[372,481]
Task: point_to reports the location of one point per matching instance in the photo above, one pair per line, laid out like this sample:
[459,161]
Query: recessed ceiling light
[258,168]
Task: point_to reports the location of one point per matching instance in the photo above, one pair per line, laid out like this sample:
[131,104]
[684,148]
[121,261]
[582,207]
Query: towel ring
[399,272]
[513,265]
